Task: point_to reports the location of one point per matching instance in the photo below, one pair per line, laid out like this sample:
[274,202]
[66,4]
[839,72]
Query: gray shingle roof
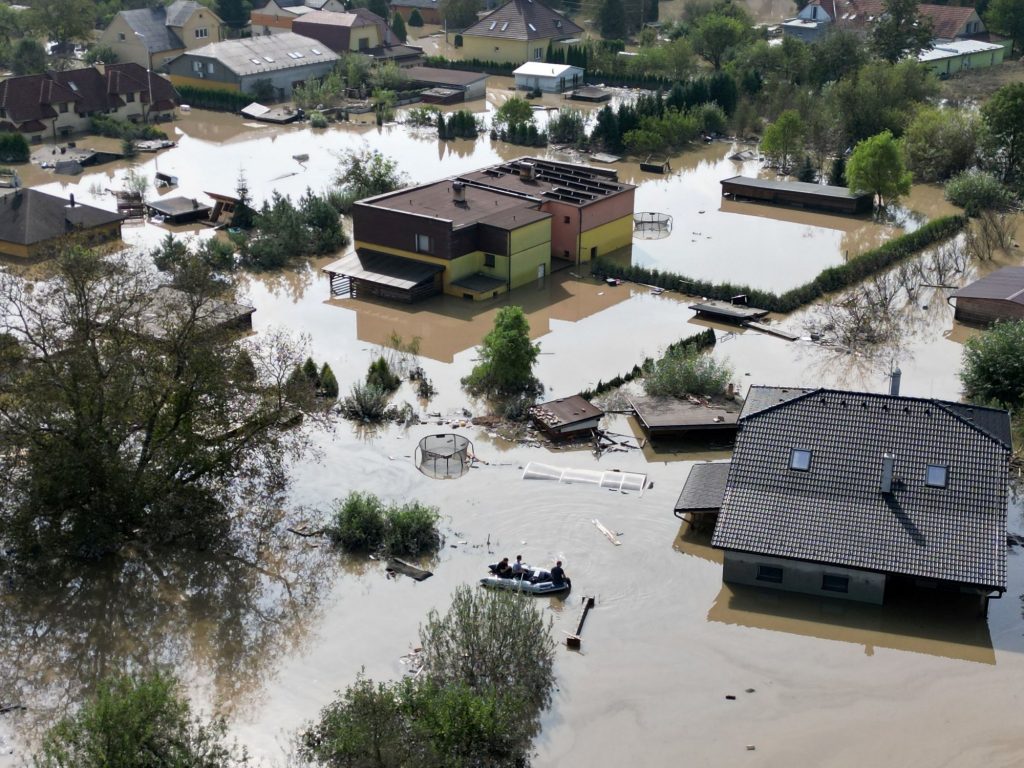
[835,511]
[524,20]
[760,397]
[151,25]
[704,488]
[28,216]
[1006,284]
[179,12]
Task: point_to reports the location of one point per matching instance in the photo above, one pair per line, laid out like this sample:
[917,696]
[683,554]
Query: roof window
[317,52]
[532,28]
[269,59]
[504,26]
[937,475]
[493,25]
[255,61]
[800,459]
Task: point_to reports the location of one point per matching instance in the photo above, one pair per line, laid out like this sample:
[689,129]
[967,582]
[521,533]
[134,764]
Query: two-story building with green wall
[483,233]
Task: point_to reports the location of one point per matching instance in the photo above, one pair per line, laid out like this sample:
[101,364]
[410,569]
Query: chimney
[894,382]
[101,68]
[888,465]
[71,199]
[527,171]
[459,192]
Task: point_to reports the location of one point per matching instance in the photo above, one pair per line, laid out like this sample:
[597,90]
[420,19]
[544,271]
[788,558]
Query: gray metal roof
[822,190]
[835,512]
[704,488]
[384,269]
[1006,284]
[180,11]
[266,53]
[524,20]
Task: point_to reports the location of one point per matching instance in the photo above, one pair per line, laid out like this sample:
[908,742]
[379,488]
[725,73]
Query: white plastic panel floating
[616,481]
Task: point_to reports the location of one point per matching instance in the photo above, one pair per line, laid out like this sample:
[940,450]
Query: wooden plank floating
[408,569]
[609,534]
[574,641]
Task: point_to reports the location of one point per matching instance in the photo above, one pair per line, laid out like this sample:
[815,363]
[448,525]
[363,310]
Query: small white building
[548,78]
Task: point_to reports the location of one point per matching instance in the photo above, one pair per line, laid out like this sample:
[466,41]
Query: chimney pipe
[888,465]
[458,192]
[71,199]
[894,382]
[527,170]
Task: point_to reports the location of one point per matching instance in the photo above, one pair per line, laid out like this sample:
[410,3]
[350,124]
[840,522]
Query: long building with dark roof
[845,494]
[482,233]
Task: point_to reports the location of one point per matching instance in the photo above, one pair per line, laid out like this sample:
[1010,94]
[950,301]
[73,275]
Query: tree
[378,7]
[941,142]
[234,13]
[611,20]
[901,31]
[415,19]
[515,111]
[876,166]
[993,365]
[143,722]
[459,13]
[783,138]
[365,174]
[100,53]
[882,97]
[124,419]
[977,191]
[1007,18]
[398,27]
[65,22]
[836,55]
[29,57]
[506,357]
[716,35]
[1003,116]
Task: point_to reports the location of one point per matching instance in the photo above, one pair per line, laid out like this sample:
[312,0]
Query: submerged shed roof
[1006,284]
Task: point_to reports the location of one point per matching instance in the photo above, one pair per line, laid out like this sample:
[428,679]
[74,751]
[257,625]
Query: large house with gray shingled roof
[844,494]
[151,37]
[517,32]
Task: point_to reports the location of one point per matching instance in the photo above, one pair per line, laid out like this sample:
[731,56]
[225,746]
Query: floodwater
[267,632]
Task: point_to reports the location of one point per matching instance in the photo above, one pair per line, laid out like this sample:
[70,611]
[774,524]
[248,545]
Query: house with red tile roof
[819,16]
[59,104]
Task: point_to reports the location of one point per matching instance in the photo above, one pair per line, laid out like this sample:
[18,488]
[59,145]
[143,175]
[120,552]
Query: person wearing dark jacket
[557,574]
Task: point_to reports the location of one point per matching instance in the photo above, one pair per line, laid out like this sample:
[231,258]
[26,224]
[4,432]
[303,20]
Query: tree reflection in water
[224,616]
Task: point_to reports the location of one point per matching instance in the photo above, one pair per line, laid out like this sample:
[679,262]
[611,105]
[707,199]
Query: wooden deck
[724,310]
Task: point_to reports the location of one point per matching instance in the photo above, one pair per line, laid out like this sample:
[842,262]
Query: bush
[683,371]
[415,19]
[366,403]
[567,127]
[362,523]
[112,127]
[317,119]
[382,377]
[993,365]
[977,191]
[217,99]
[14,148]
[328,383]
[358,523]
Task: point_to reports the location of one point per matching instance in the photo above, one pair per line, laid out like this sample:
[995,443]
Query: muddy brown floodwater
[269,631]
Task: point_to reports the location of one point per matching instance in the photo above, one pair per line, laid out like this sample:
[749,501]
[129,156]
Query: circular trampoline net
[444,457]
[651,226]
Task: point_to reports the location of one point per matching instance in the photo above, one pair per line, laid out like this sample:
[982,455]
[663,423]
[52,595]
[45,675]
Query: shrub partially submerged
[363,523]
[686,371]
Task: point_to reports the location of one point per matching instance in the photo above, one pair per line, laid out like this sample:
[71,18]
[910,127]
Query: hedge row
[831,279]
[703,340]
[472,65]
[218,99]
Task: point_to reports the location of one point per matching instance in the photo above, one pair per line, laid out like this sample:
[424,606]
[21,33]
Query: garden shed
[548,78]
[998,296]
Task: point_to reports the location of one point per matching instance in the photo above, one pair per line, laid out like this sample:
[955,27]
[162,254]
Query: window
[364,43]
[567,219]
[209,67]
[488,259]
[771,574]
[64,107]
[538,53]
[423,244]
[129,97]
[120,35]
[202,32]
[197,66]
[937,476]
[833,583]
[800,459]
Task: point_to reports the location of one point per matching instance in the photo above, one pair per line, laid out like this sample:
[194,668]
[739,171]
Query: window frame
[839,583]
[769,574]
[202,33]
[418,243]
[489,260]
[928,475]
[794,453]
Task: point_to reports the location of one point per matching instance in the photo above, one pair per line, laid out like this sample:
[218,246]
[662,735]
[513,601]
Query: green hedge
[832,279]
[218,99]
[14,148]
[703,340]
[472,65]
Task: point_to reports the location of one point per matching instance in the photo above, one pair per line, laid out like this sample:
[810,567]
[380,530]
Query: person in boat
[519,571]
[557,574]
[503,570]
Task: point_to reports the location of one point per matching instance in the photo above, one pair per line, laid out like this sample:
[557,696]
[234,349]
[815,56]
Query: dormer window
[936,476]
[800,459]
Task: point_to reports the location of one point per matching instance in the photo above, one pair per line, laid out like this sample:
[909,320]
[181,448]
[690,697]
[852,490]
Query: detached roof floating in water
[613,480]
